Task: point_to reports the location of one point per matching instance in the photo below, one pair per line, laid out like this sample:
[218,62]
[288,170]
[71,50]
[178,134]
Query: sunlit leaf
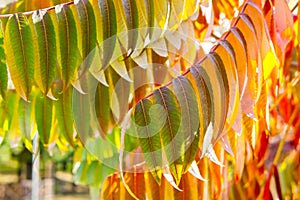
[67,34]
[189,123]
[47,62]
[171,138]
[20,54]
[43,113]
[3,70]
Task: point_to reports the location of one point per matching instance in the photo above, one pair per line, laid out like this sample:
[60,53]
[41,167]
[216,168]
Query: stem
[31,12]
[294,8]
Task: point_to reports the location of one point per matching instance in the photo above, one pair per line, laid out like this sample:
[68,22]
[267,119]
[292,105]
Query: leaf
[219,95]
[64,116]
[147,129]
[240,155]
[47,57]
[88,34]
[3,69]
[189,123]
[170,179]
[132,20]
[150,16]
[237,40]
[102,100]
[109,28]
[14,134]
[25,118]
[268,55]
[68,48]
[225,143]
[81,109]
[227,56]
[94,176]
[203,92]
[253,60]
[194,170]
[80,176]
[169,133]
[20,54]
[43,117]
[281,31]
[119,93]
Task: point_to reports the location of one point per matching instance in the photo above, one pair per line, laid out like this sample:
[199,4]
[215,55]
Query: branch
[31,12]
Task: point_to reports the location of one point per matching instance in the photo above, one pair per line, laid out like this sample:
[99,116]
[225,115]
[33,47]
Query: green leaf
[88,37]
[172,146]
[46,40]
[148,134]
[14,135]
[92,178]
[64,115]
[43,117]
[132,20]
[102,100]
[3,69]
[67,43]
[109,28]
[80,176]
[25,111]
[119,92]
[81,110]
[20,54]
[189,123]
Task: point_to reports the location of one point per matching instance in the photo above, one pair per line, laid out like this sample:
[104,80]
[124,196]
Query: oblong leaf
[20,54]
[132,20]
[47,59]
[148,136]
[3,69]
[63,111]
[205,100]
[67,34]
[227,56]
[237,40]
[189,123]
[43,117]
[172,146]
[109,28]
[102,99]
[88,30]
[215,72]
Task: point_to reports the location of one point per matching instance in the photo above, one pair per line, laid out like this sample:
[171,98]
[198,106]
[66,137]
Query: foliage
[70,75]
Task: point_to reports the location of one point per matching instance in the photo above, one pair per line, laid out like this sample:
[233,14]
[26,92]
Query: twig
[294,8]
[31,12]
